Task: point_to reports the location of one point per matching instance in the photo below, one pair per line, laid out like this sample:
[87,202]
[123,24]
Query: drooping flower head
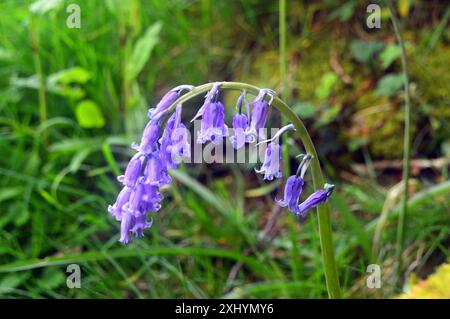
[147,170]
[240,125]
[212,126]
[175,141]
[294,186]
[260,114]
[315,199]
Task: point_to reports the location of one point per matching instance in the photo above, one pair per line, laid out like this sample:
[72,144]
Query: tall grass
[406,149]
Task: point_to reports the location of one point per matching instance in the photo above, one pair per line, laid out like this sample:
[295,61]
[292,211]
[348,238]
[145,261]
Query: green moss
[375,121]
[430,72]
[309,61]
[379,124]
[386,139]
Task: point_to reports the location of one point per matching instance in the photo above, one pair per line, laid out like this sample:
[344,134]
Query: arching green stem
[323,212]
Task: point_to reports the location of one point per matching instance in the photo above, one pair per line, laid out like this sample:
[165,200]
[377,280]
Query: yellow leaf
[436,286]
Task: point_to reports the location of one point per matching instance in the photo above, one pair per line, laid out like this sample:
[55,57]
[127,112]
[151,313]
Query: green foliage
[142,50]
[304,109]
[44,6]
[389,55]
[327,82]
[89,115]
[389,85]
[365,51]
[76,75]
[344,12]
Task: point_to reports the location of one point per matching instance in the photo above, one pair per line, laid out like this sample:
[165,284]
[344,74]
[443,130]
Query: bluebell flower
[315,199]
[132,172]
[155,173]
[126,224]
[174,141]
[141,223]
[260,114]
[294,186]
[272,160]
[147,170]
[292,192]
[129,212]
[151,200]
[143,199]
[133,224]
[149,138]
[134,205]
[122,199]
[167,100]
[212,126]
[209,98]
[240,124]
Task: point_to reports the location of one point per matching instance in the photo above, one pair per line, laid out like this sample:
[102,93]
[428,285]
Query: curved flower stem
[406,149]
[326,241]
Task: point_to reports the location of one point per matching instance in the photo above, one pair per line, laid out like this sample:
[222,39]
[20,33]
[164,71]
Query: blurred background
[73,99]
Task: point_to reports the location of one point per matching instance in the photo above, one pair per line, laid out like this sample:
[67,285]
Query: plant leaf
[389,55]
[142,50]
[364,51]
[76,74]
[44,6]
[389,85]
[89,115]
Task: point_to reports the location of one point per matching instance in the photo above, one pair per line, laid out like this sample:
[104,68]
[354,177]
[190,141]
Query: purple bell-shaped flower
[294,186]
[175,141]
[260,114]
[212,126]
[117,209]
[240,125]
[167,100]
[315,199]
[272,160]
